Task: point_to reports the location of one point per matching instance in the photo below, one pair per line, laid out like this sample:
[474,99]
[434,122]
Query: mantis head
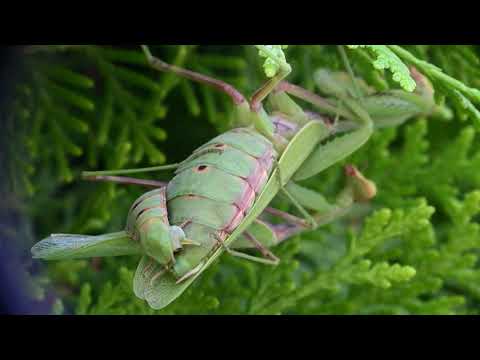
[162,241]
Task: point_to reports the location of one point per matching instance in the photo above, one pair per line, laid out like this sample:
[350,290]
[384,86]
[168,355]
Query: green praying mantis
[215,200]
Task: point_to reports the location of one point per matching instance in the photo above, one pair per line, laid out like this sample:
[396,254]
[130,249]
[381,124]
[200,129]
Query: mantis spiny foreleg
[342,147]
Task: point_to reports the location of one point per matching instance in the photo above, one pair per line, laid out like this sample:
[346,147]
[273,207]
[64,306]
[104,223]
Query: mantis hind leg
[222,86]
[262,248]
[88,174]
[256,259]
[357,189]
[309,219]
[113,176]
[270,260]
[127,181]
[262,235]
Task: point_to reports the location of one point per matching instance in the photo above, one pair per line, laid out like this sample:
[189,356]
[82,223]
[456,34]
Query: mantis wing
[147,268]
[65,246]
[164,289]
[153,284]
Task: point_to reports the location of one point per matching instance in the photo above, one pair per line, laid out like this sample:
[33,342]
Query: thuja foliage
[412,250]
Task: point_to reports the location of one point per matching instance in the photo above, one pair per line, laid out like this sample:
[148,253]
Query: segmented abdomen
[147,209]
[214,189]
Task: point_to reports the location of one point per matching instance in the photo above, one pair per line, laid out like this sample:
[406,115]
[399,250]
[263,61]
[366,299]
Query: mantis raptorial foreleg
[335,151]
[340,148]
[326,154]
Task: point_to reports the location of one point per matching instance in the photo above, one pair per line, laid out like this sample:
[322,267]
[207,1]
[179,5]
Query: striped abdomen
[214,189]
[146,210]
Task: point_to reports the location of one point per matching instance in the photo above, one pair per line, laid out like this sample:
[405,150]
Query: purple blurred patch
[15,260]
[14,296]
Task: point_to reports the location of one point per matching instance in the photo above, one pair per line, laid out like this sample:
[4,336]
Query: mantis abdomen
[214,189]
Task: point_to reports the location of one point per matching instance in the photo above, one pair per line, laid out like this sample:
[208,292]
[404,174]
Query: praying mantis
[214,202]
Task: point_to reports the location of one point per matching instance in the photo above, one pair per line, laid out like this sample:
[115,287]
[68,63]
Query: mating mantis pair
[214,202]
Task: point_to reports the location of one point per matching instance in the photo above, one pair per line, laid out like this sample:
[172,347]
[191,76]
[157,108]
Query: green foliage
[386,59]
[413,250]
[461,94]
